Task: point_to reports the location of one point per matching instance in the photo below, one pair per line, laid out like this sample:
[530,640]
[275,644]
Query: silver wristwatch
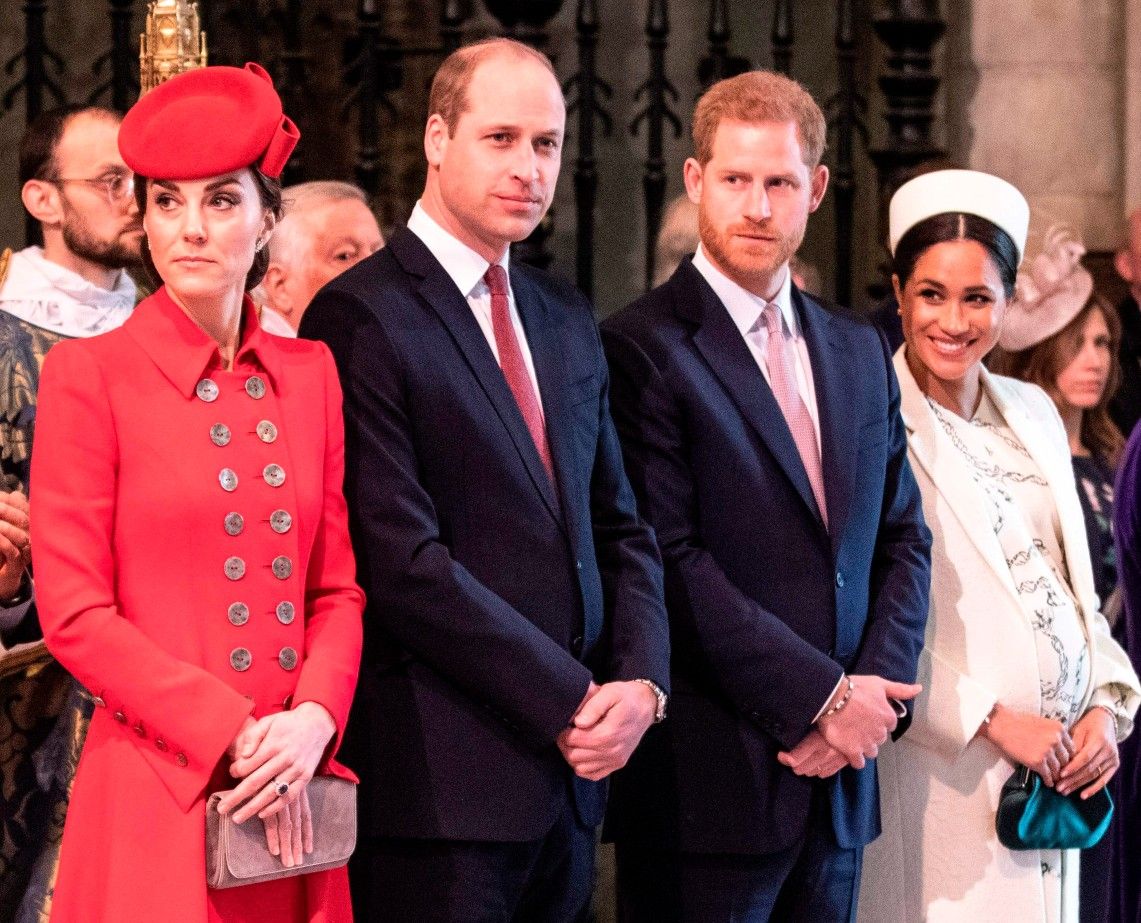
[663,699]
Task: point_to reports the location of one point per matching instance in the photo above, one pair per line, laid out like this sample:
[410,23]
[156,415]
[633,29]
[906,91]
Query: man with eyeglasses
[75,184]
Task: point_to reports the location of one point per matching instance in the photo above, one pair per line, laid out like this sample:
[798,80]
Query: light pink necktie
[513,366]
[783,382]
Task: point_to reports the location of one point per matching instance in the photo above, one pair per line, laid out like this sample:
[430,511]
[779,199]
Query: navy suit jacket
[493,596]
[767,608]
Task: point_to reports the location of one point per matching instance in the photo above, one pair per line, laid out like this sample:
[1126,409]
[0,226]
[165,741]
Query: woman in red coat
[192,555]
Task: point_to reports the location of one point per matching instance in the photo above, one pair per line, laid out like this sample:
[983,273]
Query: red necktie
[513,366]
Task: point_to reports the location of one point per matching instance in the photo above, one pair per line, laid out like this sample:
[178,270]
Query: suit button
[255,387]
[240,659]
[274,475]
[234,523]
[228,479]
[266,431]
[235,568]
[282,567]
[287,658]
[286,612]
[206,390]
[576,645]
[120,717]
[160,745]
[220,434]
[280,521]
[238,613]
[839,579]
[139,729]
[182,760]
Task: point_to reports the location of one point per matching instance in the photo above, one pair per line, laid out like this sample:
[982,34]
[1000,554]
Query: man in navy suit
[516,643]
[762,435]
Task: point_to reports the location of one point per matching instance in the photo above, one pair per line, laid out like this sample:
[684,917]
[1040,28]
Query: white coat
[938,858]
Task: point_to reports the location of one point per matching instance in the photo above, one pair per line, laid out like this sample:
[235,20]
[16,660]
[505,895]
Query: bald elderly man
[327,228]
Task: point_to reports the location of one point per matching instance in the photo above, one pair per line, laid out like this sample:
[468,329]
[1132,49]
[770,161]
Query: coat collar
[185,353]
[439,290]
[943,467]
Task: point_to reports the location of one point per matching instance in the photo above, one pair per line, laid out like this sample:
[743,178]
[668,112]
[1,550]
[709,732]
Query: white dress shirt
[467,269]
[747,311]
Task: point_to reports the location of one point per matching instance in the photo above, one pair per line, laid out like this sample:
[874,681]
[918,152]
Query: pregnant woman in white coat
[1018,664]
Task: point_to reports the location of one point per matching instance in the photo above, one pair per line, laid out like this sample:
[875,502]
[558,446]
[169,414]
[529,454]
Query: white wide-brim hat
[953,191]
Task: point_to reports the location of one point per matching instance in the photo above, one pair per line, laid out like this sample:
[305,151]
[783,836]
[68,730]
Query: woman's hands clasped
[1041,744]
[275,757]
[1096,759]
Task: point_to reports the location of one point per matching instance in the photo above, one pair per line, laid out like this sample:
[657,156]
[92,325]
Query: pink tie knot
[496,279]
[771,315]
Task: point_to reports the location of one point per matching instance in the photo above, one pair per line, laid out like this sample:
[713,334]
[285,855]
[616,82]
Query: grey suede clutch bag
[236,854]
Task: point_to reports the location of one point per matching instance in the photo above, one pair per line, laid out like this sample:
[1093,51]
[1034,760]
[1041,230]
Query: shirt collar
[743,306]
[466,267]
[186,354]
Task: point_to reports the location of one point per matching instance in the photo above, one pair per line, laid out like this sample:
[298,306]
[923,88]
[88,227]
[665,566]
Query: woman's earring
[258,246]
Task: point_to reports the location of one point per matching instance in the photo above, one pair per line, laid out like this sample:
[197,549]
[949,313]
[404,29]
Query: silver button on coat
[240,659]
[238,613]
[235,568]
[228,479]
[234,523]
[274,475]
[286,612]
[287,658]
[280,521]
[282,567]
[220,434]
[255,387]
[206,390]
[267,432]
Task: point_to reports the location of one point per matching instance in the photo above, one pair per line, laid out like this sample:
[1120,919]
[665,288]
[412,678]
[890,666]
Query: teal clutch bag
[1032,815]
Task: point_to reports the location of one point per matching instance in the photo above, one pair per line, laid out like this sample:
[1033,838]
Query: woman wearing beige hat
[1018,666]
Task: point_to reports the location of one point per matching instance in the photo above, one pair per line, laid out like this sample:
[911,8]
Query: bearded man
[762,436]
[75,184]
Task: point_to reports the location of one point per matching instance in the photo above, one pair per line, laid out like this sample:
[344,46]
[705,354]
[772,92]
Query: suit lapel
[724,349]
[832,377]
[439,291]
[944,467]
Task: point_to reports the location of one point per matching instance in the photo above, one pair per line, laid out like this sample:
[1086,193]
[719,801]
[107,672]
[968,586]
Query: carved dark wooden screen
[355,74]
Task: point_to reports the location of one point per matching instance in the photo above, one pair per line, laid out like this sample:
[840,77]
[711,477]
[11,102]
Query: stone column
[1036,93]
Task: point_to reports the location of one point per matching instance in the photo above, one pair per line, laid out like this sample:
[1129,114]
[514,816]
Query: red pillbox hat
[206,122]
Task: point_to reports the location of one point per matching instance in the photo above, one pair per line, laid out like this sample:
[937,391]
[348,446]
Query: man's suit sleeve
[418,595]
[772,675]
[628,559]
[901,565]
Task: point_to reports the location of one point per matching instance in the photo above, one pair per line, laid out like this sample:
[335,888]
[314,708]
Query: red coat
[138,579]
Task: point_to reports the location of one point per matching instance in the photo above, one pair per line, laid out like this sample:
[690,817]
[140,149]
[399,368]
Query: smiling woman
[197,574]
[1018,666]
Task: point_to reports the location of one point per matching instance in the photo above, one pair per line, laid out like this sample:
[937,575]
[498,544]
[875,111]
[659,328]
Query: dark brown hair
[269,193]
[950,226]
[42,137]
[1043,363]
